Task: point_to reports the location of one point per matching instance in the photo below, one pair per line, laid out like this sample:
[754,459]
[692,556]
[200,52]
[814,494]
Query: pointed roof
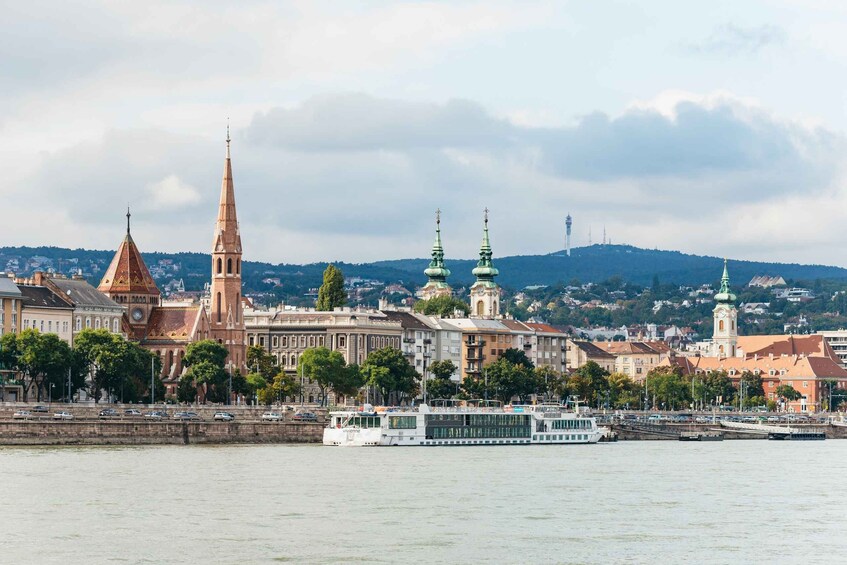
[724,294]
[128,272]
[484,270]
[436,271]
[227,236]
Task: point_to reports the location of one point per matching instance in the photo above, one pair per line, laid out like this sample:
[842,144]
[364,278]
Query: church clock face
[137,314]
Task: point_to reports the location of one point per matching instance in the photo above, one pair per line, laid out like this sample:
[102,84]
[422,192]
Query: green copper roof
[436,271]
[484,270]
[724,294]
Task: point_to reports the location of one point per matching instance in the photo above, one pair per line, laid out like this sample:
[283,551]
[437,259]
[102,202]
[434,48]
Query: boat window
[402,422]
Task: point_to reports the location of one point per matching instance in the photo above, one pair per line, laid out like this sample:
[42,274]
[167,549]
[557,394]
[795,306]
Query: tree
[323,366]
[261,362]
[331,293]
[207,350]
[506,380]
[668,387]
[186,390]
[443,306]
[389,371]
[517,357]
[623,391]
[285,386]
[587,382]
[212,379]
[441,385]
[255,383]
[788,392]
[348,381]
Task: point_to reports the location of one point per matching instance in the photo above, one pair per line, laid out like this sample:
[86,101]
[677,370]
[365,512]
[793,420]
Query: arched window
[116,326]
[480,308]
[720,325]
[220,265]
[218,307]
[238,267]
[229,266]
[78,323]
[238,308]
[293,361]
[88,322]
[96,323]
[732,325]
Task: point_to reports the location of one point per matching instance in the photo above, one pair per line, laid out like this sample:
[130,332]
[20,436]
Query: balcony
[408,340]
[472,370]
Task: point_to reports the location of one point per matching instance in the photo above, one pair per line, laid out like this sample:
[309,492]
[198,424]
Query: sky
[714,128]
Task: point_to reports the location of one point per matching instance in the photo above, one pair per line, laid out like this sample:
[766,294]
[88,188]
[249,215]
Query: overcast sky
[712,128]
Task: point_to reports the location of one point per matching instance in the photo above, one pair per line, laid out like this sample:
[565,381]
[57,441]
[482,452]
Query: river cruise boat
[468,423]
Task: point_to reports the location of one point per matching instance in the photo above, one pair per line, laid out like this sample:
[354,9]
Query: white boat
[471,423]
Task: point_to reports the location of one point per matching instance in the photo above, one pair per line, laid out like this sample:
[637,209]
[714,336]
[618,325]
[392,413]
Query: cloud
[730,40]
[171,192]
[353,177]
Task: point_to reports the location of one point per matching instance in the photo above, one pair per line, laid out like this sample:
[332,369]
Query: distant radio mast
[568,224]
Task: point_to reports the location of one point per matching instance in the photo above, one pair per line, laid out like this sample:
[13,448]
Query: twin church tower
[484,293]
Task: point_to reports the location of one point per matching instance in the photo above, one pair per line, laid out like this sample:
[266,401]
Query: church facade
[167,329]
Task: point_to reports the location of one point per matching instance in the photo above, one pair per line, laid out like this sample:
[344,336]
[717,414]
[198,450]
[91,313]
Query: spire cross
[486,214]
[127,220]
[227,138]
[438,216]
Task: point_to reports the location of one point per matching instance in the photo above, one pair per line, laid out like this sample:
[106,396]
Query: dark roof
[8,288]
[42,297]
[406,320]
[83,294]
[592,350]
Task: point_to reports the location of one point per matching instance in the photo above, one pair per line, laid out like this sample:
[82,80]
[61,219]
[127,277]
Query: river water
[630,502]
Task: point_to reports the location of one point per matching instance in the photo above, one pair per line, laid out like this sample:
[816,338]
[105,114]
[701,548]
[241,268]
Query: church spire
[437,272]
[724,294]
[226,232]
[127,220]
[485,270]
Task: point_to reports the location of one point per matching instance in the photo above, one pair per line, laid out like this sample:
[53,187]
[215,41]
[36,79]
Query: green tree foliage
[441,385]
[212,379]
[442,306]
[186,389]
[207,350]
[517,357]
[788,392]
[348,382]
[506,380]
[44,360]
[117,366]
[389,371]
[326,368]
[623,391]
[255,383]
[285,386]
[331,293]
[588,383]
[261,362]
[668,389]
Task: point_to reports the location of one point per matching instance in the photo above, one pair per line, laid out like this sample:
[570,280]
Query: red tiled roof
[127,272]
[172,323]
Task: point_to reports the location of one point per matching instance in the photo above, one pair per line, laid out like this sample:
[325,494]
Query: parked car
[39,408]
[187,416]
[22,415]
[271,417]
[701,420]
[224,417]
[155,415]
[132,413]
[63,415]
[108,413]
[773,419]
[305,417]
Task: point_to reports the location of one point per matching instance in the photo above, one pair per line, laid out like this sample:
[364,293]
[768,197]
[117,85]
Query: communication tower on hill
[568,224]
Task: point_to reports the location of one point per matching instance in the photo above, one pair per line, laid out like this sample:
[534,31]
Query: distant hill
[587,264]
[601,262]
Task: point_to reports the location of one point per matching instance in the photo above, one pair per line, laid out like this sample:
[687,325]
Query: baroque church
[165,328]
[484,293]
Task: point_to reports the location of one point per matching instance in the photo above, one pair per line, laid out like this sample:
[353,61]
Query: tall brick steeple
[227,320]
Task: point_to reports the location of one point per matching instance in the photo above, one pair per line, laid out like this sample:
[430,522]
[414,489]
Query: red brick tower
[225,315]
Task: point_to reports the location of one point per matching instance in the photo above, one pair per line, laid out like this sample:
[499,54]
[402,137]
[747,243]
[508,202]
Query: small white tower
[568,224]
[725,337]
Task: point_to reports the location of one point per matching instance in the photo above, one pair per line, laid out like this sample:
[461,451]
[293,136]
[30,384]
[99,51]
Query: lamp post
[152,382]
[229,388]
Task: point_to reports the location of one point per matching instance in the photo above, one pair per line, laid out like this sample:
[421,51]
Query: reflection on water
[636,502]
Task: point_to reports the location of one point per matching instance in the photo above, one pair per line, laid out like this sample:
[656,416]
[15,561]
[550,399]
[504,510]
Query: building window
[220,265]
[218,301]
[262,340]
[115,325]
[342,341]
[229,266]
[805,384]
[96,323]
[88,322]
[238,267]
[720,325]
[302,341]
[275,341]
[311,341]
[284,341]
[251,340]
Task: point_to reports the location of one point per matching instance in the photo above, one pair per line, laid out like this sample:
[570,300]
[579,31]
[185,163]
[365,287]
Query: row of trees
[49,368]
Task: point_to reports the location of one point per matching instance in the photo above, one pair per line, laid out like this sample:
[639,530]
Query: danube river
[632,502]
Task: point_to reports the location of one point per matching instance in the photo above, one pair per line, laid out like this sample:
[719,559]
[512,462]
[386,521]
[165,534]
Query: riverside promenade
[87,428]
